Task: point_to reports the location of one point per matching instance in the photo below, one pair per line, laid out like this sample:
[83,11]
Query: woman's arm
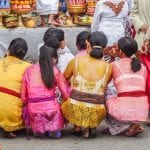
[69,70]
[24,93]
[63,85]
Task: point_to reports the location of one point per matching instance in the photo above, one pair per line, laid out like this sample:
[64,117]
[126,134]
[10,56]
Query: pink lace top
[125,79]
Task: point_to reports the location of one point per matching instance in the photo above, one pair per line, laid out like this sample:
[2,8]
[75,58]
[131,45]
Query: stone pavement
[69,142]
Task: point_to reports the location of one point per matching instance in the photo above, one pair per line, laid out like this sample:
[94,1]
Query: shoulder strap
[119,68]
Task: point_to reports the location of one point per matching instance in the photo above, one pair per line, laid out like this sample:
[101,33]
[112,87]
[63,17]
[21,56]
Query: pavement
[69,142]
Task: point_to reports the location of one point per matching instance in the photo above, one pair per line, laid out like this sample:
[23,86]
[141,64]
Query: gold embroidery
[116,8]
[5,66]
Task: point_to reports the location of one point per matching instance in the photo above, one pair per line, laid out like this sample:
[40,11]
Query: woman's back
[91,75]
[125,79]
[36,87]
[11,72]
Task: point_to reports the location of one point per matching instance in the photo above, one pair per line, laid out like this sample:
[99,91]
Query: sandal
[55,134]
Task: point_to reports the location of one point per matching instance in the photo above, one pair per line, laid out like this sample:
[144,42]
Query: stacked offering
[22,5]
[91,7]
[10,20]
[75,8]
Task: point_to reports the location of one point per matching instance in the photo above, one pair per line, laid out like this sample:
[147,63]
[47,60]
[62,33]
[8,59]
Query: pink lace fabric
[128,108]
[43,115]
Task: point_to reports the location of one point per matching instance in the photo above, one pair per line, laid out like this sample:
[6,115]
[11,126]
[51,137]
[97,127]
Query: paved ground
[69,142]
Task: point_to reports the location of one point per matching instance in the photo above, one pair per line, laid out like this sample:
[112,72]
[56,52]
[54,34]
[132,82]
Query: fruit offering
[65,20]
[85,20]
[22,4]
[28,22]
[91,7]
[76,2]
[4,4]
[10,20]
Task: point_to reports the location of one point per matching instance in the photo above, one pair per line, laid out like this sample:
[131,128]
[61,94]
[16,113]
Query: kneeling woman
[90,75]
[130,107]
[42,111]
[12,68]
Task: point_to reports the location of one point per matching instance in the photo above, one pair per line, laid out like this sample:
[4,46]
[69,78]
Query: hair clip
[133,56]
[96,46]
[22,51]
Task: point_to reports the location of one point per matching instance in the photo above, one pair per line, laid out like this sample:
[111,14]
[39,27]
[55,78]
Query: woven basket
[37,20]
[20,11]
[76,9]
[10,21]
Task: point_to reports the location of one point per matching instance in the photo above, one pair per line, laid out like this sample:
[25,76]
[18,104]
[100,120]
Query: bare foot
[133,130]
[9,135]
[54,23]
[141,130]
[76,131]
[86,133]
[148,122]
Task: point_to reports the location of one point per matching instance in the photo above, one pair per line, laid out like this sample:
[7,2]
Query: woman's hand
[144,28]
[111,50]
[145,47]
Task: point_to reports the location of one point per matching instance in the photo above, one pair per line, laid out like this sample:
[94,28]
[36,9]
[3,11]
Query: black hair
[81,39]
[18,48]
[50,39]
[46,65]
[129,47]
[60,35]
[53,37]
[98,41]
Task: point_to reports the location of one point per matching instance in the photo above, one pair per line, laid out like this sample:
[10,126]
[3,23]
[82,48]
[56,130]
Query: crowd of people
[108,79]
